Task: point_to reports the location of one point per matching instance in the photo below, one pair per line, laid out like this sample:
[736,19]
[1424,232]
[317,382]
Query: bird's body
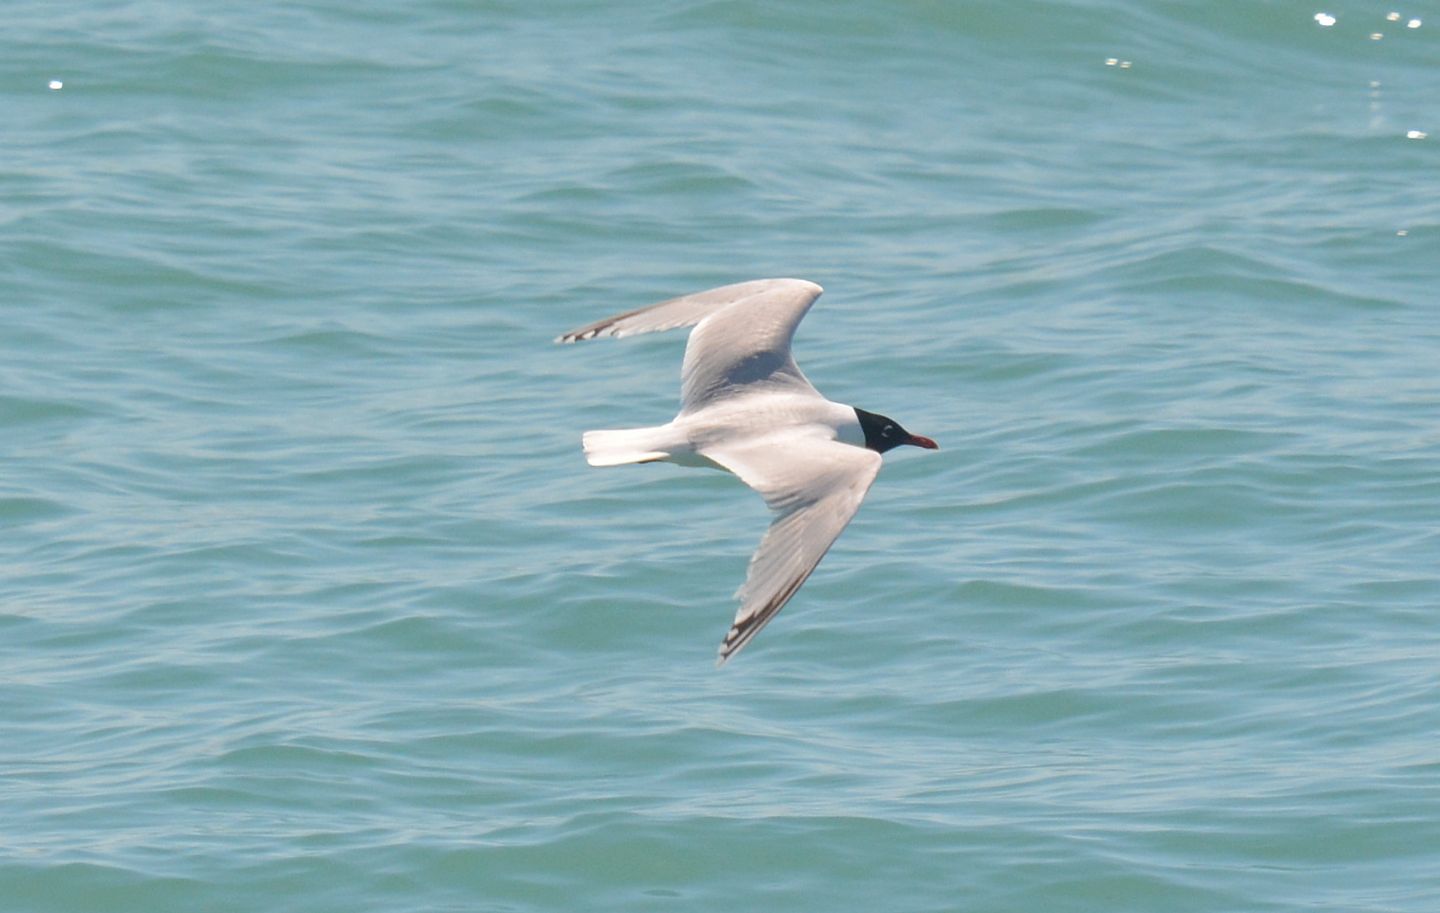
[687,438]
[746,408]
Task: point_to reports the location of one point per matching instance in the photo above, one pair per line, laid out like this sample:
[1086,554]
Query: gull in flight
[746,408]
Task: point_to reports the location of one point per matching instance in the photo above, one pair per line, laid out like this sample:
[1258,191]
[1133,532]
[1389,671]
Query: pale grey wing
[814,484]
[745,346]
[685,311]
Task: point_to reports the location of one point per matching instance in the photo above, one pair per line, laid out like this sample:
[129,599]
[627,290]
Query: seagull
[746,408]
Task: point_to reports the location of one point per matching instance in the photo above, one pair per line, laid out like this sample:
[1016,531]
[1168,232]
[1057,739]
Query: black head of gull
[882,433]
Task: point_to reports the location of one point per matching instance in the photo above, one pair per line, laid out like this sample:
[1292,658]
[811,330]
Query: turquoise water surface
[309,602]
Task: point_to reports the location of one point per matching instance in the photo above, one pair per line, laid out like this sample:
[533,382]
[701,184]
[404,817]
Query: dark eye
[889,430]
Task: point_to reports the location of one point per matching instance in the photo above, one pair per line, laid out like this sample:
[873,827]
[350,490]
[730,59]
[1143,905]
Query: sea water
[309,602]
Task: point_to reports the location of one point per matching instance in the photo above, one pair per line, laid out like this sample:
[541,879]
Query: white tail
[630,445]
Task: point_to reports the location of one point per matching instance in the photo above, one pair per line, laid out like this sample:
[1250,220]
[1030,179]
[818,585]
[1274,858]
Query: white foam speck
[1325,19]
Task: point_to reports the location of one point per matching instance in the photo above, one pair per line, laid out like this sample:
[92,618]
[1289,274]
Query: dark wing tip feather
[607,326]
[584,333]
[744,630]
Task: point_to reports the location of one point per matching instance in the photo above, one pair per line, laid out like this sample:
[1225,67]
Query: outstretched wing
[745,347]
[685,311]
[741,343]
[814,484]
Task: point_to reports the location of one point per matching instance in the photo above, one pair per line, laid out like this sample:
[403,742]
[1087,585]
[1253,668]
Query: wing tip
[579,335]
[729,647]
